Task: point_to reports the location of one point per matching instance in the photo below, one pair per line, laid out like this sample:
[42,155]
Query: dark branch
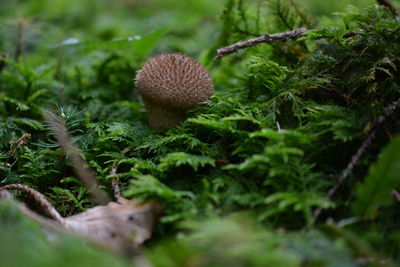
[282,36]
[376,125]
[387,4]
[114,180]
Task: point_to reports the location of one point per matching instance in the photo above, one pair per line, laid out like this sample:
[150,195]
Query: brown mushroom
[171,84]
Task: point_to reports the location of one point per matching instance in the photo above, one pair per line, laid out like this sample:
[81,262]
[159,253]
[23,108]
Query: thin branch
[376,125]
[17,144]
[278,126]
[283,36]
[74,154]
[396,195]
[114,180]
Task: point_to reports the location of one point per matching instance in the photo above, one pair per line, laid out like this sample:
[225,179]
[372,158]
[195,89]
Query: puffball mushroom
[171,84]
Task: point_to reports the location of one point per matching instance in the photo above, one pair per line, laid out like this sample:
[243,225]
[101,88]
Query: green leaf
[147,43]
[34,124]
[149,186]
[177,159]
[294,201]
[19,105]
[35,95]
[383,177]
[141,45]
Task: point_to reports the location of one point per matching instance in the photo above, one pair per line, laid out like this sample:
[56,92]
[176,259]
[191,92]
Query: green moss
[249,167]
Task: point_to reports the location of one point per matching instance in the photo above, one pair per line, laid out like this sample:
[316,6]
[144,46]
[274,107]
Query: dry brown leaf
[120,226]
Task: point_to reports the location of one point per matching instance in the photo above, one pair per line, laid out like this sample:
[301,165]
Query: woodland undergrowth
[242,177]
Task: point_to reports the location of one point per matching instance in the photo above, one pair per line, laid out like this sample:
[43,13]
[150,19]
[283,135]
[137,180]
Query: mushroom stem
[160,117]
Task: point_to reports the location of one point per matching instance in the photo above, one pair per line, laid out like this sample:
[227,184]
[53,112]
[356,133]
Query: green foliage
[241,176]
[382,179]
[140,45]
[289,15]
[180,158]
[152,187]
[239,242]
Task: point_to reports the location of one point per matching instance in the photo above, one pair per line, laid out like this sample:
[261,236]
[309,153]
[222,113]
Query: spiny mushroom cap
[174,81]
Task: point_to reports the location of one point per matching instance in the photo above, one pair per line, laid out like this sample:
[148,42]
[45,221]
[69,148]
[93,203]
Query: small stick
[282,36]
[377,123]
[396,195]
[278,126]
[114,181]
[17,144]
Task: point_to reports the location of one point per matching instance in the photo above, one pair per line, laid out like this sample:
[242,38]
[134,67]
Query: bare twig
[114,180]
[387,4]
[17,144]
[80,165]
[376,125]
[396,195]
[278,126]
[283,36]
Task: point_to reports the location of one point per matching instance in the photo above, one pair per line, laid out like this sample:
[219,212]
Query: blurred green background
[193,25]
[36,29]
